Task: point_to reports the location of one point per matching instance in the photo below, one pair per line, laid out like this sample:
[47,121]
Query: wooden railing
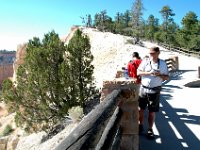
[93,131]
[110,124]
[181,50]
[172,63]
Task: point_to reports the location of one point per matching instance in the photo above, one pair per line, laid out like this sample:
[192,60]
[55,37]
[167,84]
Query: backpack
[138,76]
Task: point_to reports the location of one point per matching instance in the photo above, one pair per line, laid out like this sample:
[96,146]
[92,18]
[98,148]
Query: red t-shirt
[132,68]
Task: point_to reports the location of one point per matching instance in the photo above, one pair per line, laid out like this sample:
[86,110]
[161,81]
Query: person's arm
[154,73]
[144,73]
[164,77]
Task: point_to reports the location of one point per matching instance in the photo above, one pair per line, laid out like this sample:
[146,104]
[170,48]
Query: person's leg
[141,116]
[153,106]
[141,120]
[142,105]
[151,119]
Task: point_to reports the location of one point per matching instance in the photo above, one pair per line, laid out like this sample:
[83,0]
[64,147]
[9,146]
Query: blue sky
[21,20]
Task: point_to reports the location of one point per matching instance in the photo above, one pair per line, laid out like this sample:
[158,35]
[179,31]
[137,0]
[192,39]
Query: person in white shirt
[153,72]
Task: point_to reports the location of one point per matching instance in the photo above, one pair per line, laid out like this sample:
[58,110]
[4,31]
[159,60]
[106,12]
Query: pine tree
[126,18]
[137,19]
[168,23]
[119,24]
[89,21]
[189,36]
[151,27]
[81,69]
[41,93]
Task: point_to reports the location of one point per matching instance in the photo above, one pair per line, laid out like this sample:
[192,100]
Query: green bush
[8,129]
[130,41]
[76,113]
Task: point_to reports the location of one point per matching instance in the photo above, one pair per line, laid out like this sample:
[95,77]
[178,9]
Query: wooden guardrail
[91,133]
[112,125]
[199,72]
[181,50]
[172,63]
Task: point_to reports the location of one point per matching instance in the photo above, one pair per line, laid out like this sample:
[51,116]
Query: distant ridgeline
[7,59]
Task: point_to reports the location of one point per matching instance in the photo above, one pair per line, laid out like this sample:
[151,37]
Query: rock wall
[20,55]
[6,65]
[70,35]
[8,142]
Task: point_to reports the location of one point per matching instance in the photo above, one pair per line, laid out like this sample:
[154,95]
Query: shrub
[76,113]
[130,41]
[8,129]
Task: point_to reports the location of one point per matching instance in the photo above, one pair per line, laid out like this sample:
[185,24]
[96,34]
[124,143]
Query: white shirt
[150,80]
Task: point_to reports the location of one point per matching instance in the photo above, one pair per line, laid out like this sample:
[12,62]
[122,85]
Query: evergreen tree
[151,27]
[89,21]
[137,19]
[103,22]
[190,22]
[158,36]
[167,14]
[97,20]
[41,93]
[126,18]
[81,69]
[127,28]
[119,23]
[189,35]
[8,95]
[171,36]
[117,18]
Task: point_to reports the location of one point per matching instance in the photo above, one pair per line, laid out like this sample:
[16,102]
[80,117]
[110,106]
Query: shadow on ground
[193,84]
[172,131]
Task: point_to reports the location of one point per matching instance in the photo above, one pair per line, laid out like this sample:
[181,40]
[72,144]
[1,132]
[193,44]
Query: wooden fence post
[176,63]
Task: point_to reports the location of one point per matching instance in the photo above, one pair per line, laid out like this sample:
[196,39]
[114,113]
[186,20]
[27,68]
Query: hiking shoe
[141,128]
[150,134]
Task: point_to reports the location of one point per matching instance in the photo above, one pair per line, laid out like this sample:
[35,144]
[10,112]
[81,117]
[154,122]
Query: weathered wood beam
[86,134]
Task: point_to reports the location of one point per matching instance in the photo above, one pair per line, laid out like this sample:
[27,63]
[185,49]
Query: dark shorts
[149,97]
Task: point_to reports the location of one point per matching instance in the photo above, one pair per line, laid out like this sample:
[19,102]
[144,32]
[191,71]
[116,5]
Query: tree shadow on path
[172,132]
